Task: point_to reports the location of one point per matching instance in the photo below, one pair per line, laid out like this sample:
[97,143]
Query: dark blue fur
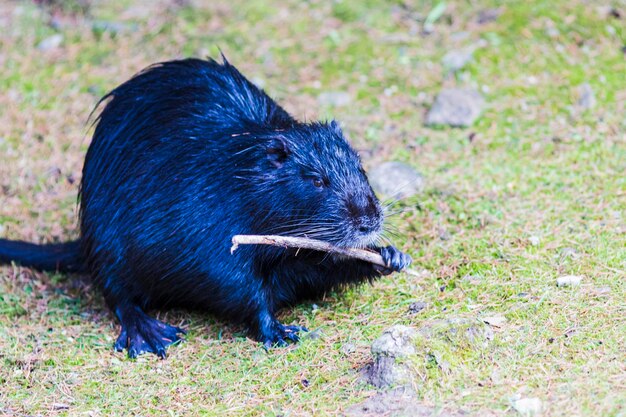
[189,153]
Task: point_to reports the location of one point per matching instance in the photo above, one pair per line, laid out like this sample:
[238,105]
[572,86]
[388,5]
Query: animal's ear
[277,151]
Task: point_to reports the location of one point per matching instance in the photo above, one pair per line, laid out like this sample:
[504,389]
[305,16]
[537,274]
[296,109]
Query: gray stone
[488,16]
[416,307]
[51,42]
[348,349]
[586,97]
[568,281]
[113,27]
[457,59]
[528,406]
[386,372]
[472,279]
[334,98]
[395,343]
[396,180]
[495,321]
[455,107]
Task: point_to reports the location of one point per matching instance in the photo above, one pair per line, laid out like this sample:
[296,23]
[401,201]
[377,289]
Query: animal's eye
[318,182]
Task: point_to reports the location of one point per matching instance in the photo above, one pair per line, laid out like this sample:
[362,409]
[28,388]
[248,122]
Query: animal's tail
[62,257]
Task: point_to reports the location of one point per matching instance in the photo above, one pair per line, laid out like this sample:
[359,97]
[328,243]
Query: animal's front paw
[394,259]
[280,334]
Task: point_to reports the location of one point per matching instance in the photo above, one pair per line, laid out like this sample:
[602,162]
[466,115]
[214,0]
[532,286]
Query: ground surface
[534,190]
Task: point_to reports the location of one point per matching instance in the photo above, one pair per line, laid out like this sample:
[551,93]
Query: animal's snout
[365,213]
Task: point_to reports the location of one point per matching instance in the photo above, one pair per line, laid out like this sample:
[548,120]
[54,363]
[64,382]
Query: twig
[305,243]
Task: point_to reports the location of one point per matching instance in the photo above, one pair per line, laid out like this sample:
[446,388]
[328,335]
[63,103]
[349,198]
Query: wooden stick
[305,243]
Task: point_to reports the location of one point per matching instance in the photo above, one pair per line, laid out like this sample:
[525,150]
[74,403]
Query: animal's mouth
[366,235]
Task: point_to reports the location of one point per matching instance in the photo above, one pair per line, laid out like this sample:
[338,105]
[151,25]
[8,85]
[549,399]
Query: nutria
[187,154]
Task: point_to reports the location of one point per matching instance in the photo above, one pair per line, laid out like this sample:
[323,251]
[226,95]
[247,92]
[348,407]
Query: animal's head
[316,187]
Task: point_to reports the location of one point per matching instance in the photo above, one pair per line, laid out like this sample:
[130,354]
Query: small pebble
[528,406]
[587,98]
[488,15]
[455,107]
[416,307]
[348,349]
[50,42]
[396,180]
[456,59]
[495,321]
[472,279]
[568,281]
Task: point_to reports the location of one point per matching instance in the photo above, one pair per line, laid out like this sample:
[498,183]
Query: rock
[395,343]
[568,281]
[348,348]
[114,28]
[51,42]
[455,107]
[598,291]
[386,372]
[586,97]
[528,406]
[472,279]
[495,321]
[456,59]
[334,98]
[396,180]
[416,307]
[397,402]
[488,15]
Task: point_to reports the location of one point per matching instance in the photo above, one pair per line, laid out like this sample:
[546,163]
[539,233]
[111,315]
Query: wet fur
[187,154]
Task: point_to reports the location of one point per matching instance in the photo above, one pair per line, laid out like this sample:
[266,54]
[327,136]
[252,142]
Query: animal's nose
[368,224]
[365,229]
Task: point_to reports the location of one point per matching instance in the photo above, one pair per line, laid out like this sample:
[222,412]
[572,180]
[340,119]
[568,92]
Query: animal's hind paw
[144,334]
[282,334]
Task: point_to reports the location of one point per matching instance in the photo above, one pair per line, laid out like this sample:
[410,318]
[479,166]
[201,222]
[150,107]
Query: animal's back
[158,178]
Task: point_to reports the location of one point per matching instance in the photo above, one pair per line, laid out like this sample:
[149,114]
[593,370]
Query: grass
[539,192]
